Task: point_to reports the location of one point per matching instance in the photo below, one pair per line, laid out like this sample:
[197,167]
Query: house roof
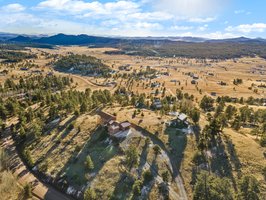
[173,113]
[122,134]
[111,122]
[125,124]
[182,117]
[114,127]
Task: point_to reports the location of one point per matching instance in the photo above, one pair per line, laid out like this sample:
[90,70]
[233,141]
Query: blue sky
[201,18]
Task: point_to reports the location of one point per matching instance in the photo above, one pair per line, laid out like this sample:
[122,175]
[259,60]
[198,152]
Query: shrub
[27,157]
[43,167]
[248,188]
[263,141]
[78,148]
[27,191]
[137,187]
[147,141]
[70,126]
[3,160]
[165,176]
[147,176]
[156,149]
[198,158]
[90,194]
[264,172]
[164,190]
[89,163]
[132,156]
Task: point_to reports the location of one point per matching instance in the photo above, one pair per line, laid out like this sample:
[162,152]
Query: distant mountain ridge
[240,40]
[63,39]
[189,47]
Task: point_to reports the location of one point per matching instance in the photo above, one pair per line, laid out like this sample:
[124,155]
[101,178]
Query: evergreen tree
[132,156]
[209,187]
[249,188]
[89,163]
[206,103]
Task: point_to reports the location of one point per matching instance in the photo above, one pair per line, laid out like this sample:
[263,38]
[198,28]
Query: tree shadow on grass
[148,184]
[74,172]
[177,142]
[197,131]
[69,141]
[143,158]
[219,162]
[233,156]
[56,143]
[66,127]
[123,187]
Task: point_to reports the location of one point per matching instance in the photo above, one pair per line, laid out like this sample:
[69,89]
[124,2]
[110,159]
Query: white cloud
[190,8]
[237,12]
[146,25]
[157,16]
[247,28]
[95,7]
[13,8]
[202,20]
[116,18]
[203,28]
[181,28]
[219,35]
[211,35]
[124,11]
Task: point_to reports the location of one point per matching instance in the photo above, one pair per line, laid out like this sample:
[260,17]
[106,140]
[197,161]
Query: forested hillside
[82,64]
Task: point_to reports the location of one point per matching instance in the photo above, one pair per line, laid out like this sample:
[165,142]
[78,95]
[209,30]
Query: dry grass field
[59,145]
[249,153]
[226,71]
[245,68]
[9,188]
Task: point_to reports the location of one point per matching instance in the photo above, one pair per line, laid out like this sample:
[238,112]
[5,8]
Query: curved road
[172,163]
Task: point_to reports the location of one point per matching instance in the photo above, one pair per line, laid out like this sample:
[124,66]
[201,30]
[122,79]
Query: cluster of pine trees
[36,83]
[231,116]
[15,56]
[86,65]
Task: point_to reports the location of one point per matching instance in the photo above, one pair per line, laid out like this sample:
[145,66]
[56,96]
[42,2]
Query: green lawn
[177,141]
[100,153]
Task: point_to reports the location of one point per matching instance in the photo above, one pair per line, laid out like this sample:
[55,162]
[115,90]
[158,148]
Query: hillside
[82,64]
[62,39]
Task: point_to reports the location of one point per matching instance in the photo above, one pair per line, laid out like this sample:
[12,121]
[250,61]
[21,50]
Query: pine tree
[89,163]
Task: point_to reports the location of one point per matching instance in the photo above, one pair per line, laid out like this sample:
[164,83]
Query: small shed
[182,117]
